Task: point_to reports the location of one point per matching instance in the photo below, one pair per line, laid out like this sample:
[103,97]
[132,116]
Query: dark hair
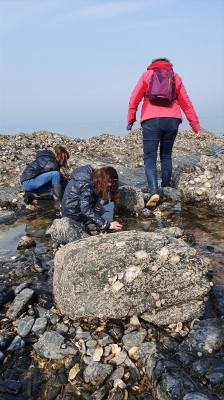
[105,180]
[61,155]
[161,59]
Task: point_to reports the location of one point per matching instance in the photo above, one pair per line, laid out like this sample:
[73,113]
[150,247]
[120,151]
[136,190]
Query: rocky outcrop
[152,275]
[204,186]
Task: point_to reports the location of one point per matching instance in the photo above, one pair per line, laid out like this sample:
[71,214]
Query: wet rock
[131,198]
[10,386]
[20,303]
[16,344]
[6,216]
[26,242]
[6,293]
[65,230]
[5,339]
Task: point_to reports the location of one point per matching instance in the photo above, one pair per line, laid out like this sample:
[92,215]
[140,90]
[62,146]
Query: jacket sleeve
[187,106]
[87,204]
[136,96]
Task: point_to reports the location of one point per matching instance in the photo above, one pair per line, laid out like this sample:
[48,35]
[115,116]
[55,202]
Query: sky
[69,66]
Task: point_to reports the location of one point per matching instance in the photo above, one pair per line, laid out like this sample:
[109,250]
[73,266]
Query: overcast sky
[69,66]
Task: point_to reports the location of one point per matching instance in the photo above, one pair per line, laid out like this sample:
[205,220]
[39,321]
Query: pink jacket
[151,111]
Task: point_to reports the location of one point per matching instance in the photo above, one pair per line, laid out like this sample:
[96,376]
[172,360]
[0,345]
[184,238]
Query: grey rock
[24,327]
[20,303]
[49,346]
[5,339]
[96,373]
[131,198]
[134,339]
[39,326]
[65,230]
[6,294]
[16,344]
[52,316]
[109,276]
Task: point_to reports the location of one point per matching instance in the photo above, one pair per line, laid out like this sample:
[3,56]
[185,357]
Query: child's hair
[62,155]
[105,180]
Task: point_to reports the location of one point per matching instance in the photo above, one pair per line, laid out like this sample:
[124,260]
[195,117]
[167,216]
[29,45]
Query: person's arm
[135,99]
[188,109]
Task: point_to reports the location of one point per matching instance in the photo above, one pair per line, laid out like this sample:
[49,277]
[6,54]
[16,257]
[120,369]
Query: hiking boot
[154,199]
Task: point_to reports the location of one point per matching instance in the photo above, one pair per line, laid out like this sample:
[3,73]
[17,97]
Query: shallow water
[205,233]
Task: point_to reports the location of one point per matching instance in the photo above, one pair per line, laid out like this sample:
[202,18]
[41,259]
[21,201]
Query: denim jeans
[43,182]
[159,131]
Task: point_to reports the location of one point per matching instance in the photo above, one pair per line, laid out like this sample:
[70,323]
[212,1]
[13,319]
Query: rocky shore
[149,324]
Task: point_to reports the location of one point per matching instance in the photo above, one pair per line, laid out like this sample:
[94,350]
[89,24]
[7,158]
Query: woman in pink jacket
[160,125]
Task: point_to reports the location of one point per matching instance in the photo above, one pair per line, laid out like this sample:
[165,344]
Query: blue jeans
[157,131]
[43,183]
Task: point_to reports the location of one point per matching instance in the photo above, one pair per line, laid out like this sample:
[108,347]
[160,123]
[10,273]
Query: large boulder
[152,275]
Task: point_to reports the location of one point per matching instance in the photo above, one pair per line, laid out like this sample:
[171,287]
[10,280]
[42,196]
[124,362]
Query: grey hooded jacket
[79,199]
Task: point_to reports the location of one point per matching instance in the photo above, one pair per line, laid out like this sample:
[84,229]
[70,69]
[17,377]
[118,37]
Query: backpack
[161,90]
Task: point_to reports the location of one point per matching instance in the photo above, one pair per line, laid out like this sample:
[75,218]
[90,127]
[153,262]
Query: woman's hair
[105,180]
[161,59]
[61,155]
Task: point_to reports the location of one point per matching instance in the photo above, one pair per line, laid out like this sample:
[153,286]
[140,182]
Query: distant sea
[87,130]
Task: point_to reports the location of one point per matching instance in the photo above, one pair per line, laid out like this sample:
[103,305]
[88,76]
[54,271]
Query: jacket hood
[47,153]
[160,64]
[82,174]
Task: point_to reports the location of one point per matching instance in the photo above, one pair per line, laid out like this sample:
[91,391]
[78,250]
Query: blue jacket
[79,198]
[45,161]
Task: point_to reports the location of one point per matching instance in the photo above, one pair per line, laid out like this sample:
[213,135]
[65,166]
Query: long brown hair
[61,155]
[105,180]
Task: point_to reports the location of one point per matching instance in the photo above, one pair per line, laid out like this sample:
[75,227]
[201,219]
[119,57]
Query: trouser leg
[151,139]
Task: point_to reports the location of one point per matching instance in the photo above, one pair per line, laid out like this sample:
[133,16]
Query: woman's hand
[115,226]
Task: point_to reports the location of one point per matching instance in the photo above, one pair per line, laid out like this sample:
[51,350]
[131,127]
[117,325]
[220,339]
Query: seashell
[120,244]
[78,329]
[155,268]
[72,373]
[116,287]
[163,254]
[141,255]
[119,383]
[100,328]
[155,296]
[115,349]
[134,321]
[175,259]
[179,327]
[132,273]
[97,354]
[158,303]
[132,351]
[112,280]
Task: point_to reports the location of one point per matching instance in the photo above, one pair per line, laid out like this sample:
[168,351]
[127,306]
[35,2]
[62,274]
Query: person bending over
[160,122]
[42,179]
[86,193]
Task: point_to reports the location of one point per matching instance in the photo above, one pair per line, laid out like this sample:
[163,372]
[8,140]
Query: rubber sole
[153,201]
